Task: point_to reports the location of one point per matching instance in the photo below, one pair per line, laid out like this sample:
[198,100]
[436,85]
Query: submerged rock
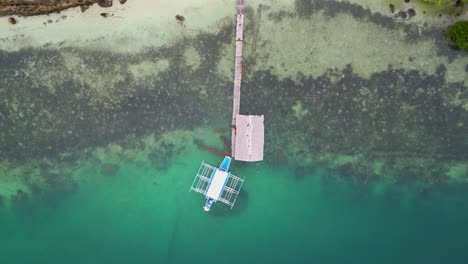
[19,199]
[84,7]
[411,12]
[12,20]
[159,160]
[300,172]
[180,19]
[109,169]
[105,3]
[402,14]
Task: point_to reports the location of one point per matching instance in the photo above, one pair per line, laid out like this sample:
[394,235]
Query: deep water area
[144,215]
[103,129]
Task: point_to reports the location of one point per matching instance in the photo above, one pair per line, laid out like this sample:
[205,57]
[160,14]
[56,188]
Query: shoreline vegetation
[41,7]
[457,35]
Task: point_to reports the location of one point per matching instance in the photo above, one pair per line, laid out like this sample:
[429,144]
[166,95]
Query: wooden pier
[237,72]
[247,131]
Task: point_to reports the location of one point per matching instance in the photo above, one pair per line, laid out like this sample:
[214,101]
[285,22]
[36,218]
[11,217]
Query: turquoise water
[144,215]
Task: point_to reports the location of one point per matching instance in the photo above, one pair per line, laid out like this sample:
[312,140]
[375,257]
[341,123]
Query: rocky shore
[39,7]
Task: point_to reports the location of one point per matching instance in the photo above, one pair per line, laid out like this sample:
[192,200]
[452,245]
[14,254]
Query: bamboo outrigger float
[247,139]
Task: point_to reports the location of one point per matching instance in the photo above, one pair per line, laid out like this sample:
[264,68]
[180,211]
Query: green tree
[442,4]
[457,35]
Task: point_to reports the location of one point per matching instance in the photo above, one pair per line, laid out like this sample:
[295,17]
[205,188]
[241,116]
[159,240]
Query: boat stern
[208,204]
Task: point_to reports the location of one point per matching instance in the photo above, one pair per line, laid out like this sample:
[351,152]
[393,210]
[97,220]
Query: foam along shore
[153,23]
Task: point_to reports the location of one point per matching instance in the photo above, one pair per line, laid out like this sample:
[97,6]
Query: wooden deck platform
[249,138]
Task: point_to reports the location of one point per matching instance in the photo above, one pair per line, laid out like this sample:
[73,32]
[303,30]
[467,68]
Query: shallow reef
[50,185]
[84,116]
[399,123]
[388,119]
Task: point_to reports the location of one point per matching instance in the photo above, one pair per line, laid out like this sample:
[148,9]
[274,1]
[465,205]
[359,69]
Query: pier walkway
[247,130]
[237,72]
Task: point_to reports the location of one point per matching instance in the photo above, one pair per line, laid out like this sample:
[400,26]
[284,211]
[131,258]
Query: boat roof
[217,184]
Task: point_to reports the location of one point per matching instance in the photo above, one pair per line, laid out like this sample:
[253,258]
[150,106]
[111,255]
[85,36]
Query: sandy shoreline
[153,23]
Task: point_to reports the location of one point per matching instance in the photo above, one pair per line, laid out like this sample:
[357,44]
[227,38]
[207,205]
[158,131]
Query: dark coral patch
[109,169]
[20,201]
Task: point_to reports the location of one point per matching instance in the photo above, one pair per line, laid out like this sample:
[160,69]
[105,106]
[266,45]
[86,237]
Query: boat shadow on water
[221,210]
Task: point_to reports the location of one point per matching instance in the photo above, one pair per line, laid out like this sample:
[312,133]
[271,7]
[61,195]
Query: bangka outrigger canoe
[247,132]
[217,184]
